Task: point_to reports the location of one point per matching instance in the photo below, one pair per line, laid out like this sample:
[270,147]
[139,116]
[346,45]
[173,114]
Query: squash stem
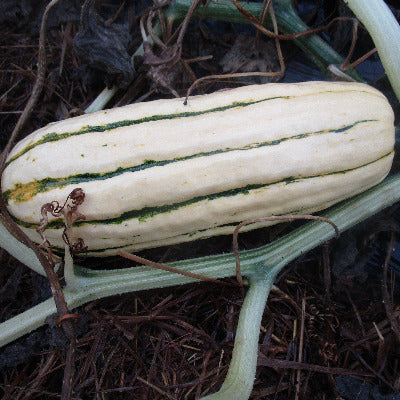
[384,29]
[242,369]
[102,99]
[69,269]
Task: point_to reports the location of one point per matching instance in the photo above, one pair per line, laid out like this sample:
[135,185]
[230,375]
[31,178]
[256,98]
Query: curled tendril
[70,212]
[78,246]
[77,196]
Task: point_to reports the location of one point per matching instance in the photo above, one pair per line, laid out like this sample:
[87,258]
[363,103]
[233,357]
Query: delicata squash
[161,172]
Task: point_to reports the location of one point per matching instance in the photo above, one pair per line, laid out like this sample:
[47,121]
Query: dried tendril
[71,214]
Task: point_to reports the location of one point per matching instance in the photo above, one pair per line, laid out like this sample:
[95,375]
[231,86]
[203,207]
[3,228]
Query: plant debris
[252,54]
[104,47]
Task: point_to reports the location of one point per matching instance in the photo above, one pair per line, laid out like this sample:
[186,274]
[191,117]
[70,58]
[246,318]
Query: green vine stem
[20,251]
[242,369]
[102,99]
[269,259]
[385,32]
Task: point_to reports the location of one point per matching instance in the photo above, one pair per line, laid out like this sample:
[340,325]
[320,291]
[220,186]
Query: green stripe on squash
[22,192]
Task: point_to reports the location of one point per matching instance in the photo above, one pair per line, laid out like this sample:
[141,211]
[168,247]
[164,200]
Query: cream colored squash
[162,172]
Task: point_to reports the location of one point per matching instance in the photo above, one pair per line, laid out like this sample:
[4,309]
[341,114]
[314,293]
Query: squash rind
[179,173]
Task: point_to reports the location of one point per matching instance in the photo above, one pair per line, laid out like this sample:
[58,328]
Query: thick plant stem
[384,29]
[19,250]
[102,99]
[242,369]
